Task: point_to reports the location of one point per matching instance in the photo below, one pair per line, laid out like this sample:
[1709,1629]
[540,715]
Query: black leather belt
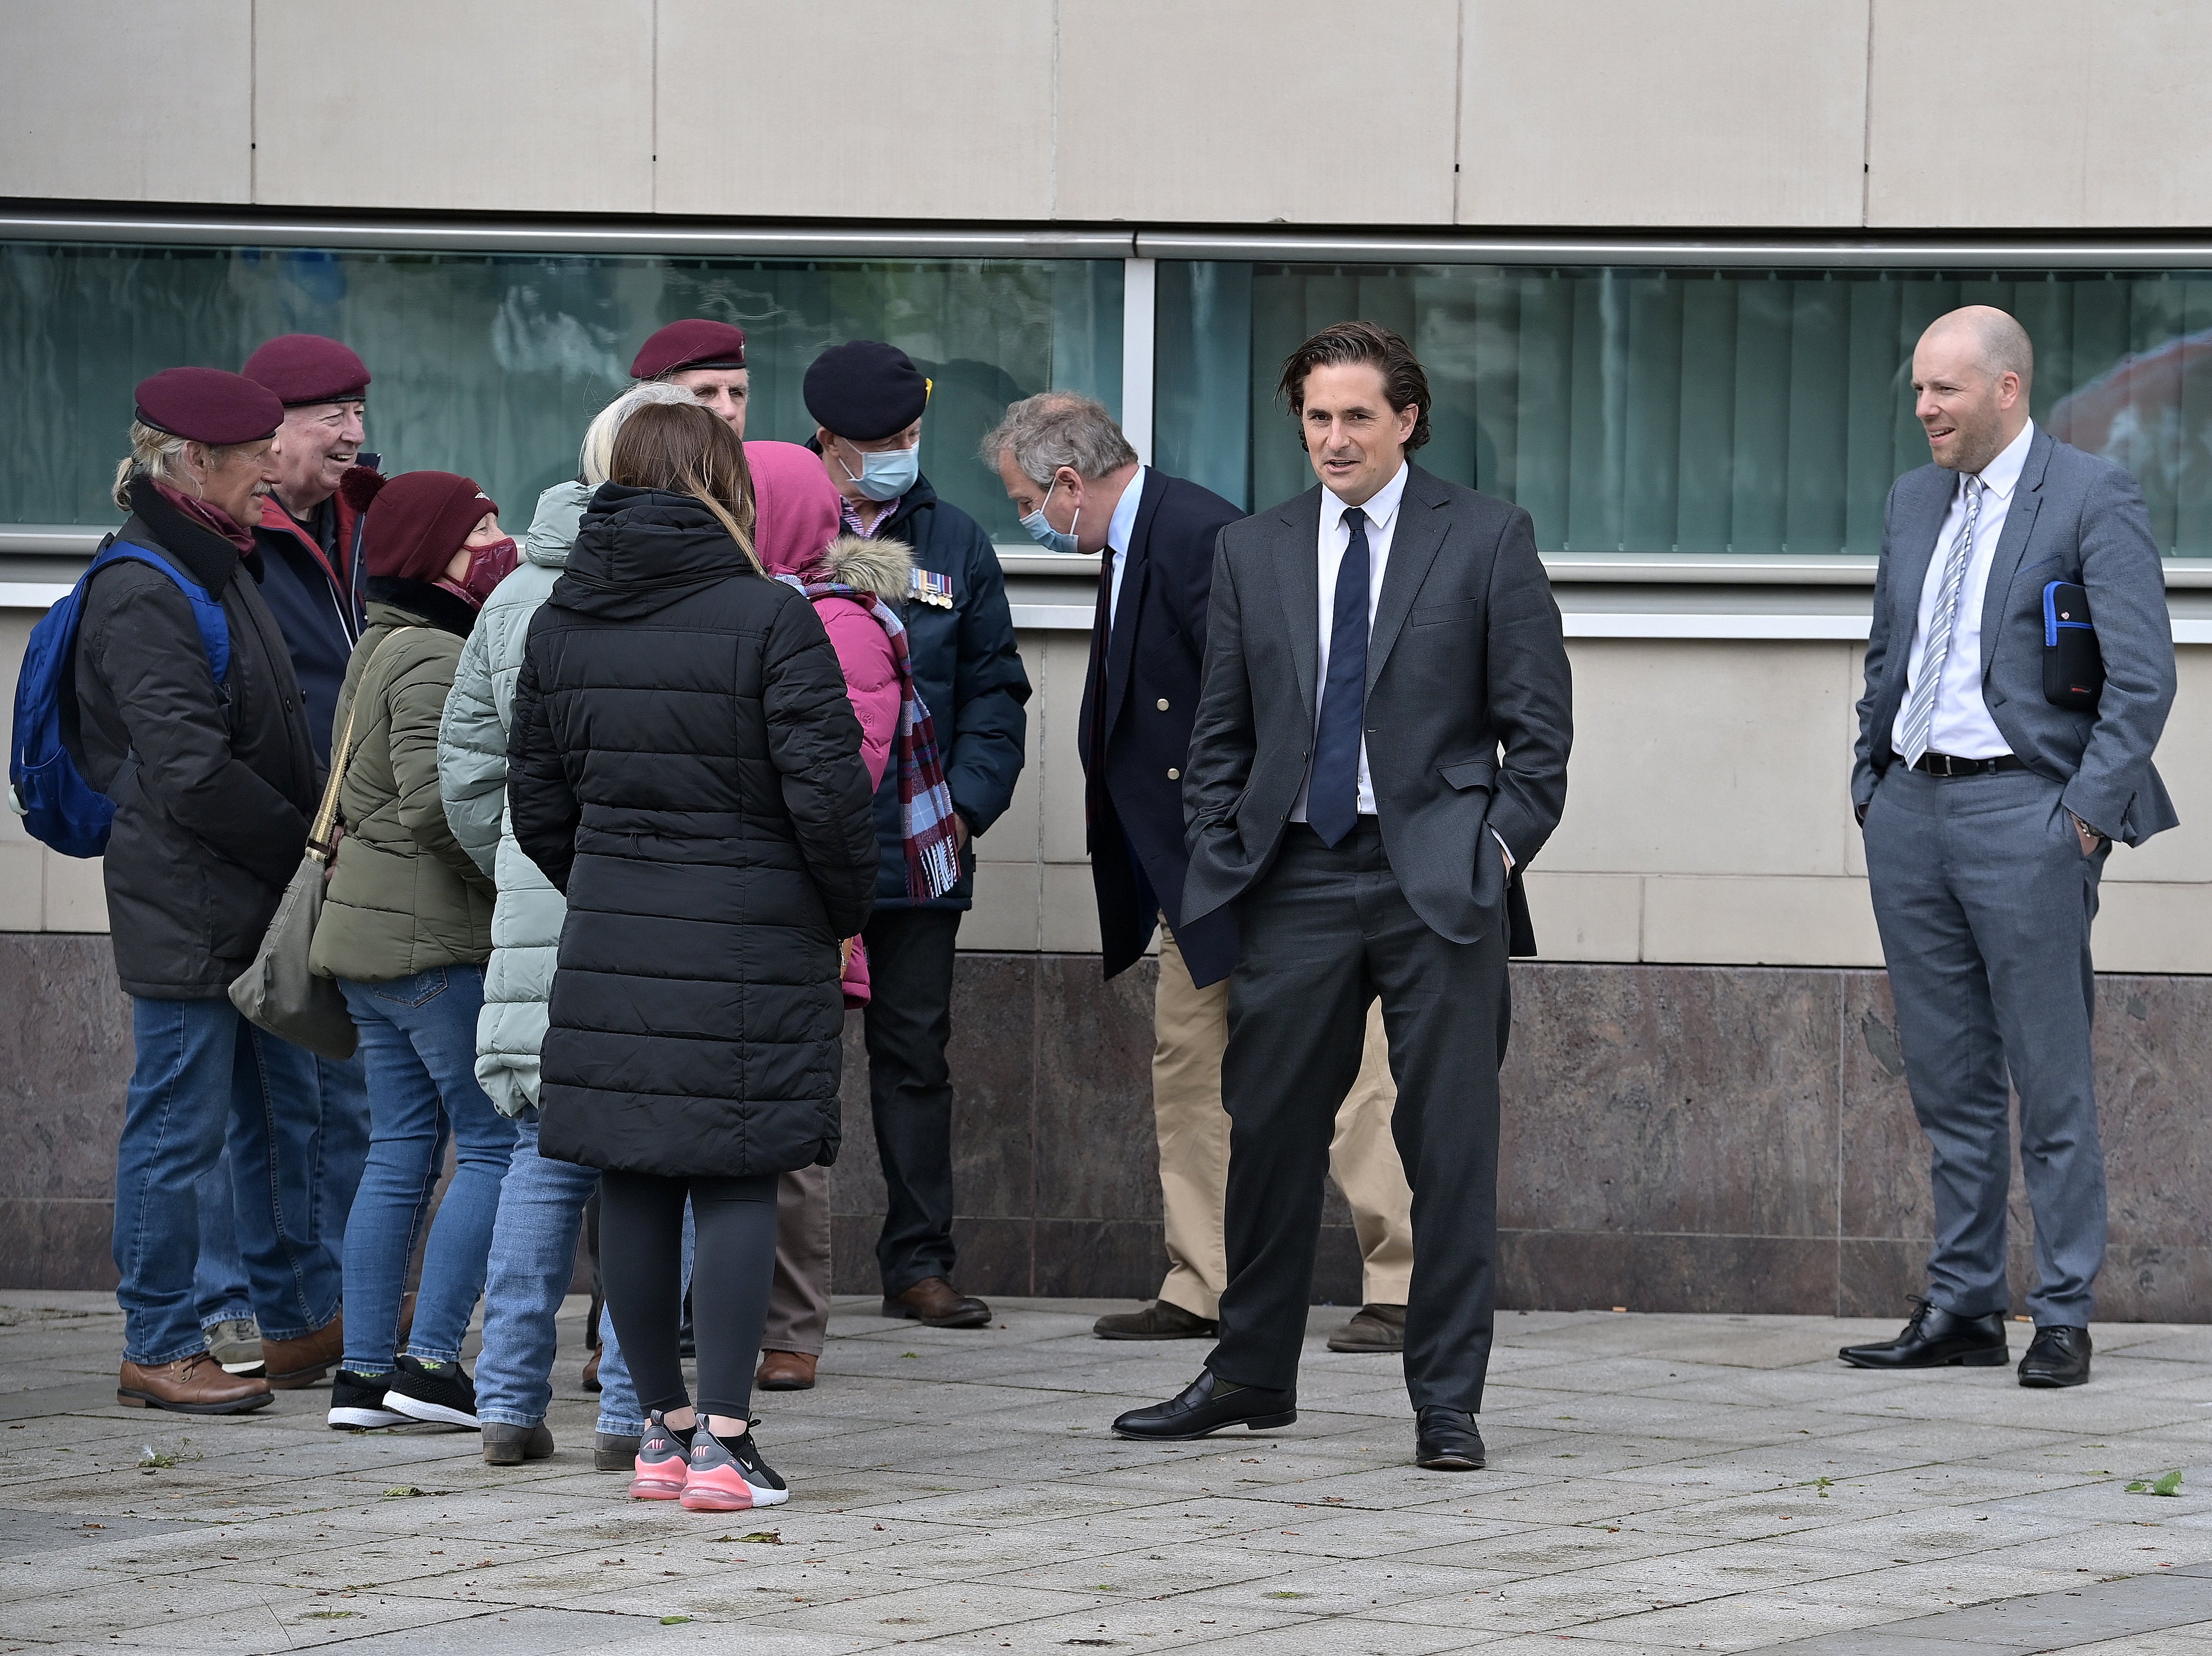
[1944,764]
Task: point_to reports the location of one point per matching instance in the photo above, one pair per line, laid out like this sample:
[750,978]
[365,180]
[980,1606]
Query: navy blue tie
[1333,800]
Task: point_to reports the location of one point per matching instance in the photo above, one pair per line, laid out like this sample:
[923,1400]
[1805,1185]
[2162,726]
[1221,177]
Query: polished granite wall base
[1676,1138]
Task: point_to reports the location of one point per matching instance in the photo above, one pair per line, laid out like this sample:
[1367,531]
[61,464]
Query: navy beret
[305,367]
[694,342]
[206,405]
[865,390]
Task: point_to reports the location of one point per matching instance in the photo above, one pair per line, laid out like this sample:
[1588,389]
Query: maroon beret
[695,343]
[418,521]
[306,367]
[206,405]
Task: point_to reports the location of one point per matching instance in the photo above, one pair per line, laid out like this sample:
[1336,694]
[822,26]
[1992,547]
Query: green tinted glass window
[492,365]
[1689,410]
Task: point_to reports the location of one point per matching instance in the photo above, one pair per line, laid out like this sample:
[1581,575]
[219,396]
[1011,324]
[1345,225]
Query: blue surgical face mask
[1053,540]
[888,473]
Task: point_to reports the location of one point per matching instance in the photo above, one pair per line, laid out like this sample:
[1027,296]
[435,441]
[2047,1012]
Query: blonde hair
[598,447]
[153,453]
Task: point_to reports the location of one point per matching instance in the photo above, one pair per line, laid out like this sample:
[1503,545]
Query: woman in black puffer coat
[684,765]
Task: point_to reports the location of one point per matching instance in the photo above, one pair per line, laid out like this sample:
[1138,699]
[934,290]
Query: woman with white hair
[541,1203]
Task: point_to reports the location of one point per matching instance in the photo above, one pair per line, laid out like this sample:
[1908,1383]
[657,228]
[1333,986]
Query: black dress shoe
[1447,1440]
[1207,1405]
[1935,1337]
[1157,1321]
[2058,1355]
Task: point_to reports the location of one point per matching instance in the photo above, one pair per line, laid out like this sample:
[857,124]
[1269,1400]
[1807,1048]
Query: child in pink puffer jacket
[796,534]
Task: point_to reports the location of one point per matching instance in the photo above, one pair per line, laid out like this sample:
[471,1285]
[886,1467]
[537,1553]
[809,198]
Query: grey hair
[598,447]
[160,454]
[1058,428]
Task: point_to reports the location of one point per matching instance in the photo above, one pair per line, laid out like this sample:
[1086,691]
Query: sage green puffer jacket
[525,926]
[405,897]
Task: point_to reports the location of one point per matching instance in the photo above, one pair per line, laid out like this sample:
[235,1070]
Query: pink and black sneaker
[663,1462]
[730,1476]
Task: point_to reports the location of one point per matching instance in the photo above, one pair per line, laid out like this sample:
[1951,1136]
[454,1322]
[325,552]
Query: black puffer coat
[684,765]
[213,784]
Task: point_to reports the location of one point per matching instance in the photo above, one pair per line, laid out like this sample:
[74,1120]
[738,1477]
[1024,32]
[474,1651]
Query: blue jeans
[205,1078]
[418,1035]
[341,1147]
[533,1256]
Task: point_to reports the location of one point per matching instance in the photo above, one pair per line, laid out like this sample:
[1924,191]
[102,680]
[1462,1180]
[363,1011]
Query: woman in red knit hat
[405,930]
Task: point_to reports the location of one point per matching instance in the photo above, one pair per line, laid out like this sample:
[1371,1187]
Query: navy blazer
[2075,517]
[1152,664]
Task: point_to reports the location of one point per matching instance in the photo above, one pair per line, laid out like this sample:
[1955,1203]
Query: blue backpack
[58,805]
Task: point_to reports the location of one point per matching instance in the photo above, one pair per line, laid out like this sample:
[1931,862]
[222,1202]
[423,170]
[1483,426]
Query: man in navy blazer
[1988,812]
[1066,462]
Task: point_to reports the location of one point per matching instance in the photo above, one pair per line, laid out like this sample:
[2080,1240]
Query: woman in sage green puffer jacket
[525,924]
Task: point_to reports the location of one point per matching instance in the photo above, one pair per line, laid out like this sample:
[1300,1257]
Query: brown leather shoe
[196,1385]
[935,1303]
[786,1371]
[1372,1328]
[591,1372]
[292,1364]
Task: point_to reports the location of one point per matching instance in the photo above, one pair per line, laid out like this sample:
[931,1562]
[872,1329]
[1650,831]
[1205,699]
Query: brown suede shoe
[1372,1328]
[292,1364]
[196,1385]
[786,1371]
[935,1303]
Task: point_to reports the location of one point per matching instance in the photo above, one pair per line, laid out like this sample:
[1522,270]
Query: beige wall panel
[1017,835]
[1056,663]
[121,101]
[2065,116]
[2153,928]
[863,109]
[1758,922]
[1067,914]
[76,894]
[530,106]
[1169,111]
[1620,112]
[23,879]
[1703,758]
[1004,916]
[2184,761]
[1586,917]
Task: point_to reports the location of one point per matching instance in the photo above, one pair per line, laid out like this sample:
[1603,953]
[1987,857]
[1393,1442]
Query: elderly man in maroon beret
[206,757]
[706,358]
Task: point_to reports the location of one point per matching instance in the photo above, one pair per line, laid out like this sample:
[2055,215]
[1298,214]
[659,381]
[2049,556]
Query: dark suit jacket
[2074,516]
[1152,661]
[1464,653]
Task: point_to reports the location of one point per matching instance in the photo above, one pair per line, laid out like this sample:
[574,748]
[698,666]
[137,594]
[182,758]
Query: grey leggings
[641,1261]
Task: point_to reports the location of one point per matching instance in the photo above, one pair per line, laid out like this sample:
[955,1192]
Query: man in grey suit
[1369,646]
[1988,813]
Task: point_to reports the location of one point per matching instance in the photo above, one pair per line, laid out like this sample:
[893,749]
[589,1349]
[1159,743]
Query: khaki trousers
[798,1300]
[1190,1031]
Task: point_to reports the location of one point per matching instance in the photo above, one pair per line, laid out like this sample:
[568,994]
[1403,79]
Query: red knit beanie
[418,521]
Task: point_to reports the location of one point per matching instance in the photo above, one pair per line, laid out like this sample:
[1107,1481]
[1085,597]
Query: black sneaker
[441,1392]
[357,1403]
[727,1475]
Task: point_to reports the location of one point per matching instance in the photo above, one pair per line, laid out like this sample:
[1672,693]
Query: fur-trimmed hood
[884,568]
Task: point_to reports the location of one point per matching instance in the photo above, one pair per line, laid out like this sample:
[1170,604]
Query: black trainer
[441,1392]
[357,1403]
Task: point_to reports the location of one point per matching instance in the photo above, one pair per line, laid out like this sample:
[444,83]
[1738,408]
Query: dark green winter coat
[405,897]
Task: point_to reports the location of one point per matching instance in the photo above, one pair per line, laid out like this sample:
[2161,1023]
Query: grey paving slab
[1657,1484]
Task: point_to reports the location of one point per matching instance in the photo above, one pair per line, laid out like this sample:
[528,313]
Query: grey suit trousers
[1984,902]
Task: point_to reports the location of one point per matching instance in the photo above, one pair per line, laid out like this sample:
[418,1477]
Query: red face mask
[488,566]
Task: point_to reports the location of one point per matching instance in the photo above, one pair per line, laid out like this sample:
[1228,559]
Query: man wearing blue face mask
[867,399]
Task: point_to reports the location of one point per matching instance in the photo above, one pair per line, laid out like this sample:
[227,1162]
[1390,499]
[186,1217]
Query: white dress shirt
[1335,539]
[1119,528]
[1962,724]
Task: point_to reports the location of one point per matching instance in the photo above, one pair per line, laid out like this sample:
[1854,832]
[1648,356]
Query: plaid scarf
[933,848]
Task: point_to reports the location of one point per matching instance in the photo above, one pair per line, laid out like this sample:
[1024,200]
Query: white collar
[1379,509]
[1123,524]
[2002,475]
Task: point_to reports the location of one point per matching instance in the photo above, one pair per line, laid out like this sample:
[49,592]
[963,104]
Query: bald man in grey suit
[1989,814]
